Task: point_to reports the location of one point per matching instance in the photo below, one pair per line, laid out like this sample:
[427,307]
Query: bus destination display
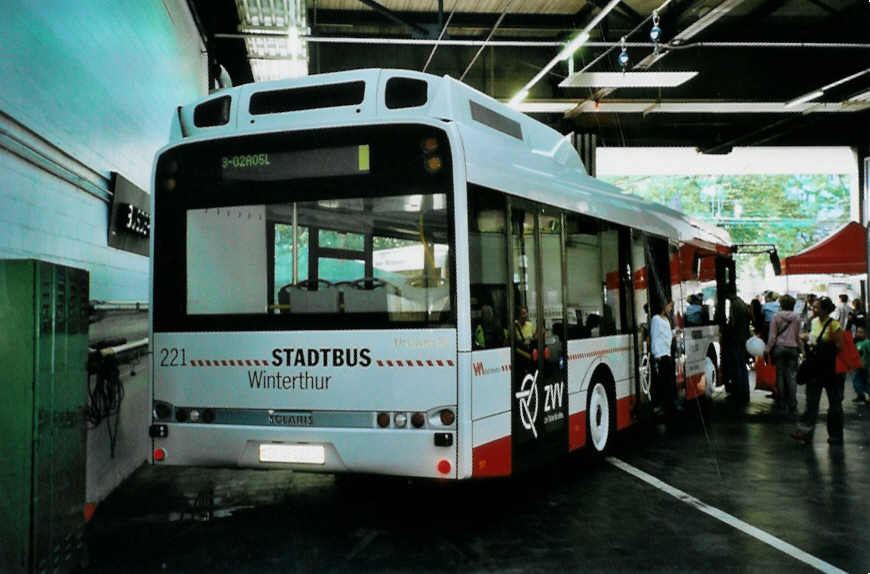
[300,164]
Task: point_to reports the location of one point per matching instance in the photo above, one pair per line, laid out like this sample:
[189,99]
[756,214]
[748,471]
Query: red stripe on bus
[248,362]
[492,458]
[577,430]
[419,363]
[232,363]
[208,363]
[224,363]
[612,279]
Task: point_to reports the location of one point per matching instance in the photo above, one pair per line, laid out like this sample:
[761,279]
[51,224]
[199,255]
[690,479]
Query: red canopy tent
[845,251]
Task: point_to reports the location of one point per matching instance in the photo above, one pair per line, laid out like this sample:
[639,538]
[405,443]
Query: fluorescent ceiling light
[556,59]
[520,96]
[710,107]
[805,98]
[626,79]
[544,107]
[572,46]
[556,106]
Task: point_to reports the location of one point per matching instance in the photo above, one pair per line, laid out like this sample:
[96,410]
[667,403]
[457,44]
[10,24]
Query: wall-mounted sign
[129,216]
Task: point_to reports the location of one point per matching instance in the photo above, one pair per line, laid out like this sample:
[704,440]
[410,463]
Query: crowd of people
[808,340]
[823,344]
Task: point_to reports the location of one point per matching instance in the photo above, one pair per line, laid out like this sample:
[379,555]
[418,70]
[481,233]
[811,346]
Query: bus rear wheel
[599,417]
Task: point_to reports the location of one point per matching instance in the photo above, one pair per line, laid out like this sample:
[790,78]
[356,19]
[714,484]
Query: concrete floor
[582,516]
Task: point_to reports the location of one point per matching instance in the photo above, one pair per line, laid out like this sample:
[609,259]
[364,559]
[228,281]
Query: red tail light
[447,417]
[444,467]
[159,454]
[417,419]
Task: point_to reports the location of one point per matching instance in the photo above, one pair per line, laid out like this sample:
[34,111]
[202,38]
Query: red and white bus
[338,267]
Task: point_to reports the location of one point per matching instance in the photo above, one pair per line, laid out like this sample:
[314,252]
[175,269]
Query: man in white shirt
[661,337]
[841,313]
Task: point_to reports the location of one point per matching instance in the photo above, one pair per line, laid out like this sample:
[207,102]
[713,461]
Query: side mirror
[774,260]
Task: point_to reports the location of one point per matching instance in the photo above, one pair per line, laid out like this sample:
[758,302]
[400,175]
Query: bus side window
[610,284]
[584,277]
[487,254]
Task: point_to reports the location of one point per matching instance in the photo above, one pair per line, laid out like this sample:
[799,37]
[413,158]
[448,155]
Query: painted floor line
[757,533]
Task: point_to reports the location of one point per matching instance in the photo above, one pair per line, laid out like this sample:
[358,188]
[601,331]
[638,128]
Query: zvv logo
[553,396]
[528,402]
[478,369]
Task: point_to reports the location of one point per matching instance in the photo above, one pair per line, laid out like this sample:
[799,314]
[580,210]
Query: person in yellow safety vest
[525,332]
[489,333]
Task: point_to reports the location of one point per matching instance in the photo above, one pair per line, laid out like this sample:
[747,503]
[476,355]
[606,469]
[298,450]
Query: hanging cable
[441,35]
[105,394]
[488,38]
[105,388]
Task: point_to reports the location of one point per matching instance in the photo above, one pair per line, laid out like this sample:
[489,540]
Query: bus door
[539,397]
[640,298]
[658,274]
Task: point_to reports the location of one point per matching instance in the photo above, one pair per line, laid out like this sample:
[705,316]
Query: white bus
[340,262]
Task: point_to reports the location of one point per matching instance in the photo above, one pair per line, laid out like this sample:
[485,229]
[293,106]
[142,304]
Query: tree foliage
[791,211]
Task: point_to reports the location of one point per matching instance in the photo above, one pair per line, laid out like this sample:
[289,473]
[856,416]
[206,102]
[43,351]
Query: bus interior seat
[425,299]
[309,296]
[366,295]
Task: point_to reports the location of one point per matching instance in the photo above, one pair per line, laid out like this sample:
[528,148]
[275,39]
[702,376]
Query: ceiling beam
[545,23]
[823,6]
[624,10]
[384,11]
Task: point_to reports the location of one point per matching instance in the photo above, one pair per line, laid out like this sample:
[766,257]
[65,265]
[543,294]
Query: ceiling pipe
[543,43]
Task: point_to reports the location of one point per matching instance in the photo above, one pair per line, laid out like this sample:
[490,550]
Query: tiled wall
[88,88]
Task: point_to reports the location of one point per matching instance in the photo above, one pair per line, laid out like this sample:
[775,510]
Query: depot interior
[89,90]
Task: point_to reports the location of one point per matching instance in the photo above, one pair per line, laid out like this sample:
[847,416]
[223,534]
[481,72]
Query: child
[859,381]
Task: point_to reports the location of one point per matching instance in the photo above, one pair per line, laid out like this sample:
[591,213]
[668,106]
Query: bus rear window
[308,98]
[347,257]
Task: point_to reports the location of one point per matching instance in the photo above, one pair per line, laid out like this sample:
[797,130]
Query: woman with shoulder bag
[825,340]
[783,344]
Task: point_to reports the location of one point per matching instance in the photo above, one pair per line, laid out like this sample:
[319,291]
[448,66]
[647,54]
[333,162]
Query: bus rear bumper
[404,452]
